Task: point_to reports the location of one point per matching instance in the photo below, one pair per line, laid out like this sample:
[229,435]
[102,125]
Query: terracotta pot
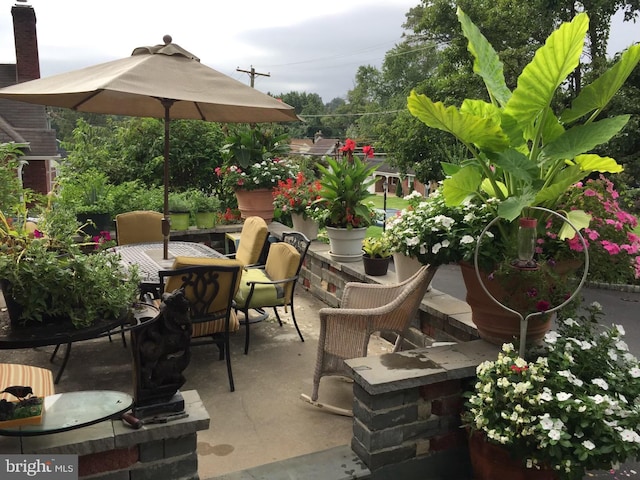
[255,203]
[306,226]
[376,267]
[491,462]
[346,243]
[495,324]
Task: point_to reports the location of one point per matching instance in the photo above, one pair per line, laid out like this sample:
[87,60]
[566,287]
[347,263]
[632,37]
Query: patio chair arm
[272,282]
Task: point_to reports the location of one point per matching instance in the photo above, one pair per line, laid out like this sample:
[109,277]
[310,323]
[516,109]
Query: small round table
[71,410]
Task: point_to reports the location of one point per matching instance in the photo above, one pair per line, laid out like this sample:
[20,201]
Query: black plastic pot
[376,267]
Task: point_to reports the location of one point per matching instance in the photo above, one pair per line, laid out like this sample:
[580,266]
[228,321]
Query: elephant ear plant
[520,150]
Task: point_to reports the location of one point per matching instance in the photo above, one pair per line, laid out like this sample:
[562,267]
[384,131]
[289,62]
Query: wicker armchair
[365,309]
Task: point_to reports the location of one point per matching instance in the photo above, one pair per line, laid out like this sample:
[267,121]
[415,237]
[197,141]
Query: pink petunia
[589,193]
[543,306]
[592,234]
[610,247]
[575,244]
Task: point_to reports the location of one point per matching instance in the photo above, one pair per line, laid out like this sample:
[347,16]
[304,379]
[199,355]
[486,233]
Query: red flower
[349,146]
[368,151]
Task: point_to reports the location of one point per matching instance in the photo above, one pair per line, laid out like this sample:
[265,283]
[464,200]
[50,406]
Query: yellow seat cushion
[39,379]
[219,305]
[282,263]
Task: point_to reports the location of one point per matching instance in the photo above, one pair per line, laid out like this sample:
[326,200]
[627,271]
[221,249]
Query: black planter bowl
[375,267]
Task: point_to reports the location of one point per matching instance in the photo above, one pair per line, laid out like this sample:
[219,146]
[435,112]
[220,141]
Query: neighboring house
[22,122]
[318,147]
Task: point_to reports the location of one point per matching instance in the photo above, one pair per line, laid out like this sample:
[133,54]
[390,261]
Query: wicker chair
[365,309]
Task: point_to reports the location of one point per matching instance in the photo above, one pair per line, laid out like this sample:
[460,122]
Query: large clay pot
[346,243]
[490,461]
[307,226]
[255,203]
[495,324]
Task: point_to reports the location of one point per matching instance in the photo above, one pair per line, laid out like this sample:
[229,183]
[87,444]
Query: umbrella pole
[166,221]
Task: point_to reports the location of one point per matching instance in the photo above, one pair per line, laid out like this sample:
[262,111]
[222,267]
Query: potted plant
[46,277]
[205,208]
[89,193]
[253,164]
[569,407]
[376,255]
[344,190]
[520,152]
[180,210]
[297,197]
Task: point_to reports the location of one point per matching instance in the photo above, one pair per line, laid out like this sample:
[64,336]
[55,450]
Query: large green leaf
[551,65]
[512,207]
[461,185]
[487,64]
[583,138]
[595,163]
[579,219]
[516,164]
[598,94]
[469,129]
[487,187]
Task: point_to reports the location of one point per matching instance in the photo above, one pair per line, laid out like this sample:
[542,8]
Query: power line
[386,112]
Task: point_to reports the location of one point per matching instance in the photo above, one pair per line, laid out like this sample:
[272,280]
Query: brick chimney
[26,40]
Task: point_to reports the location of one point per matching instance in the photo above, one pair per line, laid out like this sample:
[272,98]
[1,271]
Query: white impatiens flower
[622,346]
[551,337]
[555,434]
[436,248]
[630,436]
[588,444]
[562,396]
[634,372]
[600,383]
[546,422]
[620,329]
[466,239]
[507,347]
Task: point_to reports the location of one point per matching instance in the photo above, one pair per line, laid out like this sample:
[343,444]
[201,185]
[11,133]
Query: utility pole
[252,74]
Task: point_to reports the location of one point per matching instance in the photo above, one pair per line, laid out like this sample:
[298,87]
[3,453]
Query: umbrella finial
[167,39]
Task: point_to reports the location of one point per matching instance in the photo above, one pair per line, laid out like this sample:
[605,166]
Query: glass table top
[71,410]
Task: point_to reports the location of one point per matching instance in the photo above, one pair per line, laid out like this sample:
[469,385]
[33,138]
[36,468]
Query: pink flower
[37,234]
[575,244]
[589,193]
[543,306]
[612,248]
[592,234]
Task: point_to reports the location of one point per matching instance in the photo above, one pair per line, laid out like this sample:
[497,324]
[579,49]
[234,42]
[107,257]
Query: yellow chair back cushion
[139,226]
[252,238]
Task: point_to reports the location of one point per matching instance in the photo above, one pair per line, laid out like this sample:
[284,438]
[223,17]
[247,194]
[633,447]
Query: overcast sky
[313,47]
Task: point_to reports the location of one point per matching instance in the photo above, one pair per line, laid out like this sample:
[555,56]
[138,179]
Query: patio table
[149,257]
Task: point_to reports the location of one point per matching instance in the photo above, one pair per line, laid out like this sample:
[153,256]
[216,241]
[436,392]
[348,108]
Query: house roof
[25,123]
[319,148]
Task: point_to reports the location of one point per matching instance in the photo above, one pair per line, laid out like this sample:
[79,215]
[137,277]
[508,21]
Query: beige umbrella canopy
[163,81]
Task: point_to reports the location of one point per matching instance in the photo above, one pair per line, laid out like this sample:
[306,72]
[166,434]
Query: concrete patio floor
[264,420]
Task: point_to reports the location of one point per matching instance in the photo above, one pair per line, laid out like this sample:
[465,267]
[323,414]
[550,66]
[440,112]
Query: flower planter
[206,219]
[346,243]
[495,324]
[252,203]
[375,266]
[490,461]
[306,226]
[179,221]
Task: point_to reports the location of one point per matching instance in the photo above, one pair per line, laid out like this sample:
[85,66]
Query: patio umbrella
[163,81]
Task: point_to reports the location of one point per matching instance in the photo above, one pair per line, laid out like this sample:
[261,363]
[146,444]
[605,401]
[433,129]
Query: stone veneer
[110,450]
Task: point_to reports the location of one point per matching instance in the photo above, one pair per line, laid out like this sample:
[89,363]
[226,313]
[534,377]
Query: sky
[312,47]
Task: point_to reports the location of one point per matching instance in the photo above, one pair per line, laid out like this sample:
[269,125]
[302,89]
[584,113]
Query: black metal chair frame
[301,243]
[198,279]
